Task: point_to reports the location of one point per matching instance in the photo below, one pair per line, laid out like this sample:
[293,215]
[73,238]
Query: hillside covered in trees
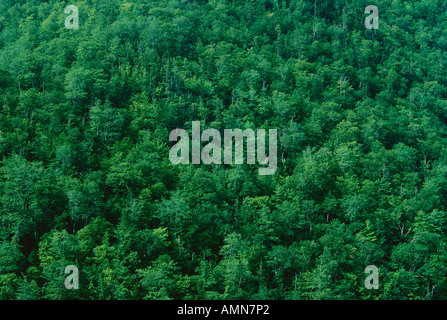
[85,175]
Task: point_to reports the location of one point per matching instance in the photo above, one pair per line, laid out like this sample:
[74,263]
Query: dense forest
[85,175]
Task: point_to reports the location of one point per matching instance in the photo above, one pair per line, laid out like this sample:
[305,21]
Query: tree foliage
[85,176]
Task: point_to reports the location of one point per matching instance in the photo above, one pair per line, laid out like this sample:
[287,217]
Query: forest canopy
[85,176]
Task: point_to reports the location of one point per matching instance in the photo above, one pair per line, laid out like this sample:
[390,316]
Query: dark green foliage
[85,176]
